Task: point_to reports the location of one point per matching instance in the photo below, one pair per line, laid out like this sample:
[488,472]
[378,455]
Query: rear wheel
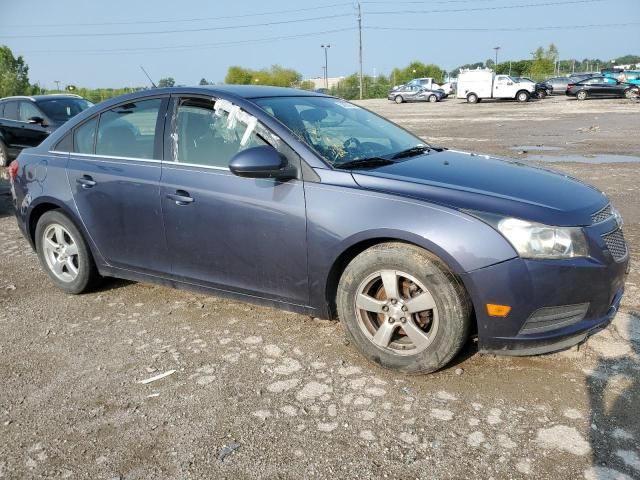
[630,93]
[522,96]
[64,254]
[403,308]
[581,95]
[4,155]
[433,98]
[472,98]
[398,99]
[541,94]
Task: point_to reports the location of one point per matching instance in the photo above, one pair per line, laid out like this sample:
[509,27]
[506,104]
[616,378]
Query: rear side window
[129,130]
[1,110]
[84,136]
[11,110]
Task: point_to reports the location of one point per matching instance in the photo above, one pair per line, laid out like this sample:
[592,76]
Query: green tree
[203,81]
[166,82]
[417,69]
[14,74]
[275,75]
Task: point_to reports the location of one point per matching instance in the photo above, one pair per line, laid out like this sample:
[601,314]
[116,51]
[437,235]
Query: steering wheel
[351,143]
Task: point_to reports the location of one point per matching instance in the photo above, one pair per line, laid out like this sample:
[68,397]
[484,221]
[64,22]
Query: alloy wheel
[61,252]
[396,312]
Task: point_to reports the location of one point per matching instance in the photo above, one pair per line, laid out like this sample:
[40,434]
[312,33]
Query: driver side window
[210,134]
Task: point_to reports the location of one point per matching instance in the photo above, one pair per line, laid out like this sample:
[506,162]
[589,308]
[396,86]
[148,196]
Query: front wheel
[4,155]
[630,93]
[64,254]
[581,95]
[398,99]
[433,98]
[403,308]
[472,98]
[522,96]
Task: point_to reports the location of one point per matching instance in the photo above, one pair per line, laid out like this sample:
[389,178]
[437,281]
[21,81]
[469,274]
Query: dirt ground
[259,393]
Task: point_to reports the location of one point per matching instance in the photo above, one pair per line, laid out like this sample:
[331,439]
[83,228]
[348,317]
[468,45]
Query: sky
[102,44]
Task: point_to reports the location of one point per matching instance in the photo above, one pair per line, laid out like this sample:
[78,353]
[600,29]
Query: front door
[114,174]
[32,133]
[223,231]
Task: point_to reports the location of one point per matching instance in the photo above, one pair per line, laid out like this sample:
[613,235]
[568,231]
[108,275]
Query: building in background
[319,82]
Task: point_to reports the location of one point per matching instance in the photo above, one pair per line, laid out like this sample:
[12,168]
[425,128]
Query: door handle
[86,181]
[180,197]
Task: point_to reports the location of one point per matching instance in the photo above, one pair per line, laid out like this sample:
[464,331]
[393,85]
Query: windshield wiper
[410,152]
[364,163]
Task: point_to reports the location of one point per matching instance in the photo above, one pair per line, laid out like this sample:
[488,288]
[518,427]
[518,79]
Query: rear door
[11,127]
[114,174]
[240,234]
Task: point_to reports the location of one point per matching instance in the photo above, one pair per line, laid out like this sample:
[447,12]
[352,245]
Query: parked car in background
[26,121]
[309,203]
[559,84]
[415,93]
[595,87]
[478,84]
[541,89]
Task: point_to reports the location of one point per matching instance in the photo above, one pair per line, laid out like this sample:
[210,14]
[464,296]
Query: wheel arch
[359,245]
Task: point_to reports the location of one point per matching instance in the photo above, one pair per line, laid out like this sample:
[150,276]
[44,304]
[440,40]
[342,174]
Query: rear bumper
[528,286]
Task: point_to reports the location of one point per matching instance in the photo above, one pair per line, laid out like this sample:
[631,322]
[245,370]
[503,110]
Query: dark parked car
[415,93]
[310,203]
[601,87]
[26,121]
[542,89]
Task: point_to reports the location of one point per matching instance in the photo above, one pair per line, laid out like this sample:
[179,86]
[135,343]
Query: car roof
[251,91]
[35,98]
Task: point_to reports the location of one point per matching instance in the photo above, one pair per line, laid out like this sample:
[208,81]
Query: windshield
[62,109]
[337,130]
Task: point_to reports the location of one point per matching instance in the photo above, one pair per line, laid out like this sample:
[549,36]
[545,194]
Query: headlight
[534,240]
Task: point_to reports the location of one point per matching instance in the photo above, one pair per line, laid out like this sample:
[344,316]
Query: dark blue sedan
[309,203]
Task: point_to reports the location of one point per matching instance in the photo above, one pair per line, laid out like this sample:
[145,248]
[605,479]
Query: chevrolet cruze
[309,203]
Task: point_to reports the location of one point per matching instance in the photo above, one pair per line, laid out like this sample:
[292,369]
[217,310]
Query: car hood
[487,184]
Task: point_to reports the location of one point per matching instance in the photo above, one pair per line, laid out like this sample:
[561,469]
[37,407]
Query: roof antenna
[145,72]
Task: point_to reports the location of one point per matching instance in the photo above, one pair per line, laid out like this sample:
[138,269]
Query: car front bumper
[535,287]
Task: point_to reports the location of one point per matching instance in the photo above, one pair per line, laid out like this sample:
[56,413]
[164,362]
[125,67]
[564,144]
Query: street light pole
[496,49]
[57,82]
[326,72]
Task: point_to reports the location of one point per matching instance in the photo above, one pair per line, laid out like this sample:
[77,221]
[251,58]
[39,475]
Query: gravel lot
[259,393]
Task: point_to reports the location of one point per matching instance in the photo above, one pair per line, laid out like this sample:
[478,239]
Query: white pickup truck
[474,85]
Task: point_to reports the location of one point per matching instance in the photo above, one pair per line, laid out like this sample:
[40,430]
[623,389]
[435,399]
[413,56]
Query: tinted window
[65,144]
[206,135]
[60,110]
[27,111]
[11,110]
[84,136]
[129,130]
[1,110]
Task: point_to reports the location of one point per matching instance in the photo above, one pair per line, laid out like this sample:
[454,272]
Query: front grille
[601,215]
[616,244]
[550,318]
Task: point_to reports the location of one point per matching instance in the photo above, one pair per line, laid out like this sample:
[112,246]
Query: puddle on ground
[585,158]
[534,148]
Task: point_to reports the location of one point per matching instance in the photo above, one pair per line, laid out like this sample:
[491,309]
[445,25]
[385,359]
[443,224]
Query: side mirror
[260,162]
[36,120]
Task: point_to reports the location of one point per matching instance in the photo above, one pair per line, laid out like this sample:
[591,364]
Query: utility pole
[326,71]
[496,49]
[360,42]
[57,82]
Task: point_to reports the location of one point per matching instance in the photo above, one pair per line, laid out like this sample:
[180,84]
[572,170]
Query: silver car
[414,93]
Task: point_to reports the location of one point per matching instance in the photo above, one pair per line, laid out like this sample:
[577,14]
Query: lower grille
[616,244]
[550,318]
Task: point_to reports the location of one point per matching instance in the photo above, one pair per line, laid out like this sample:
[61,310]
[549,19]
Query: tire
[433,99]
[438,322]
[541,94]
[472,98]
[4,155]
[398,99]
[522,96]
[582,95]
[630,93]
[55,228]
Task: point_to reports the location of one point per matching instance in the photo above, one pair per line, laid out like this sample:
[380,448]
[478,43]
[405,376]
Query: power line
[505,29]
[189,46]
[184,20]
[479,9]
[186,30]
